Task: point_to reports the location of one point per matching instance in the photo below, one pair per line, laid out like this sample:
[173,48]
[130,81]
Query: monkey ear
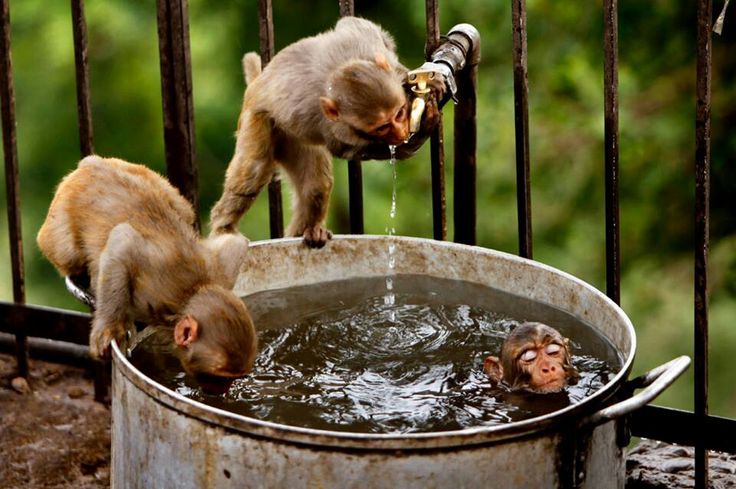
[186,331]
[382,62]
[329,108]
[492,367]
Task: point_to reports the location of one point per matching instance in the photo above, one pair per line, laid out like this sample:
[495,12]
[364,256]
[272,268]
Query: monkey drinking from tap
[338,93]
[132,233]
[534,358]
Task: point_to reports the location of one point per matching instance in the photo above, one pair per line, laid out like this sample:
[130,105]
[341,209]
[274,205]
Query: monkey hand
[100,338]
[316,236]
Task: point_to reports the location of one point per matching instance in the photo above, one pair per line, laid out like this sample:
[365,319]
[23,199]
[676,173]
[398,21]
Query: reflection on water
[338,357]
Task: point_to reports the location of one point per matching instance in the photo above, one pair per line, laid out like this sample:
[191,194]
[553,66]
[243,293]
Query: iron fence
[64,333]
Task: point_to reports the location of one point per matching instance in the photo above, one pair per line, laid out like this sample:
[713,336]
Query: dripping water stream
[390,298]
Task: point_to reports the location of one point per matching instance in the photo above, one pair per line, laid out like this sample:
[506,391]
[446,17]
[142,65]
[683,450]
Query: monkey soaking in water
[132,233]
[337,93]
[535,358]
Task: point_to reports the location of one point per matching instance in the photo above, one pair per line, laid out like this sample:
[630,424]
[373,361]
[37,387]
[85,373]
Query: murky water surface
[338,356]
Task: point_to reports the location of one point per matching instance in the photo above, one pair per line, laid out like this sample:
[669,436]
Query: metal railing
[696,428]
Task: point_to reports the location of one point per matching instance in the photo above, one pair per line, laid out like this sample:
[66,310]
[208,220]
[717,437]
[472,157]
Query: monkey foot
[317,236]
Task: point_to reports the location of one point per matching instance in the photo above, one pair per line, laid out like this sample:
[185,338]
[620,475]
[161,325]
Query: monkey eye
[401,114]
[553,349]
[528,355]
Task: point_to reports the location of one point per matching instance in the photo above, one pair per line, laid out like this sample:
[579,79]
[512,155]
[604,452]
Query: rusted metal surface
[465,138]
[702,215]
[275,202]
[12,180]
[521,125]
[161,438]
[79,26]
[436,142]
[176,91]
[610,89]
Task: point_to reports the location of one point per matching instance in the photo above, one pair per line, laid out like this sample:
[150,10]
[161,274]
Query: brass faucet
[418,79]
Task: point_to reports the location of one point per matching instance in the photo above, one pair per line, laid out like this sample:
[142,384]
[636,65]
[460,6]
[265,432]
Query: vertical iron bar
[101,369]
[79,26]
[610,89]
[265,34]
[521,124]
[355,196]
[176,90]
[355,167]
[12,184]
[437,146]
[465,158]
[702,214]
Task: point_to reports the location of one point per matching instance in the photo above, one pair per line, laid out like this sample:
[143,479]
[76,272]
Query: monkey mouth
[550,387]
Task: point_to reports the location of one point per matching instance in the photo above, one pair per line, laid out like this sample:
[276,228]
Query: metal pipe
[702,215]
[521,125]
[12,184]
[176,91]
[79,27]
[465,128]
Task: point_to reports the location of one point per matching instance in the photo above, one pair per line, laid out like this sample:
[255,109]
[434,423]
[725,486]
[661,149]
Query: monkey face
[217,337]
[541,367]
[392,127]
[535,358]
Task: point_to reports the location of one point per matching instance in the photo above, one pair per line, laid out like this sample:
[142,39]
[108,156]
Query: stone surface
[655,465]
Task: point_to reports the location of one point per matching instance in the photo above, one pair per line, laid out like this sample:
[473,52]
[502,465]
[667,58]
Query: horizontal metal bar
[51,350]
[684,428]
[45,322]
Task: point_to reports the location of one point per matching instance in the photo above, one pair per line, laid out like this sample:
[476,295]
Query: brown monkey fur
[333,94]
[534,357]
[132,233]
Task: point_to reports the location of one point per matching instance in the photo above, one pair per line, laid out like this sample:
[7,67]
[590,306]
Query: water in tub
[340,357]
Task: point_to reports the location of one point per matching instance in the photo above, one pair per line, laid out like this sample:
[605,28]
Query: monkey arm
[114,288]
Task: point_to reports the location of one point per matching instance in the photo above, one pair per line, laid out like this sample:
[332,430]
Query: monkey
[338,93]
[132,233]
[534,358]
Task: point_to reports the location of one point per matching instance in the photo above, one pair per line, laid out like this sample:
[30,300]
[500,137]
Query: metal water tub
[162,439]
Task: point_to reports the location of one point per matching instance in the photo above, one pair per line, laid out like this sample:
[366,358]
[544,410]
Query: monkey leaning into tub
[132,233]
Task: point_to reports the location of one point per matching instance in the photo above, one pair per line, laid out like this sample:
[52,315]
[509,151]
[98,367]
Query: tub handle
[653,382]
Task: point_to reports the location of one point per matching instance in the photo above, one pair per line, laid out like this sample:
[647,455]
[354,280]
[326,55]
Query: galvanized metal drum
[162,439]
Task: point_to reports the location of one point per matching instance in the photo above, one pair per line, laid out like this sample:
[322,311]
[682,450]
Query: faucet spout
[418,80]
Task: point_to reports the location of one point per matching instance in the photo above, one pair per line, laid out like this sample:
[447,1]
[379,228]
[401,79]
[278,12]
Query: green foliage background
[657,102]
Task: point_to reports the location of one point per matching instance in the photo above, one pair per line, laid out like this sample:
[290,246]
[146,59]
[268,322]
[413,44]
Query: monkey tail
[251,66]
